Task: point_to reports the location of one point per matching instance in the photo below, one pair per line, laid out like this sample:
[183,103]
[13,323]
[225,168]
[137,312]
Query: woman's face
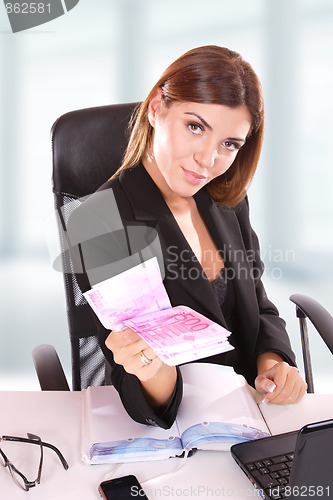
[193,143]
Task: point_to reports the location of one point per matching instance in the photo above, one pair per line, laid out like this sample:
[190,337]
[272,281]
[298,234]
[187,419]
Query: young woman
[194,148]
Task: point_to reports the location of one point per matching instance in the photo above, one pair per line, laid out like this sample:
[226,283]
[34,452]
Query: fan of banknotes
[137,299]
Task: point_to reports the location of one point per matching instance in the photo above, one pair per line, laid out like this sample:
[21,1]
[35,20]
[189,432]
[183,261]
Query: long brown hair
[215,75]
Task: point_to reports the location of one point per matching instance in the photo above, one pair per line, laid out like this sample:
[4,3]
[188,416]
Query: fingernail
[265,401]
[270,387]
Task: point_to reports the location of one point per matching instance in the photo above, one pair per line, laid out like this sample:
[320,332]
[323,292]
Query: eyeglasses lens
[17,478]
[15,475]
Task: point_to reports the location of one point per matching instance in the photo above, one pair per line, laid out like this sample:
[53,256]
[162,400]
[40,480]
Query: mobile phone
[122,488]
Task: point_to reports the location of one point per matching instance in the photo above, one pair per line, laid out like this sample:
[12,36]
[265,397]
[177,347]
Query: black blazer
[97,227]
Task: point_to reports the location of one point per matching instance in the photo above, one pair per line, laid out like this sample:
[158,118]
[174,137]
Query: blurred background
[111,51]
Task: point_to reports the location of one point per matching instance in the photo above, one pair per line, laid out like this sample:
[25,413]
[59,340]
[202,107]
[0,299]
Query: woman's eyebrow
[237,139]
[203,121]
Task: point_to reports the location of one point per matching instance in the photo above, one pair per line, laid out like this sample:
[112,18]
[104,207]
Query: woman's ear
[154,106]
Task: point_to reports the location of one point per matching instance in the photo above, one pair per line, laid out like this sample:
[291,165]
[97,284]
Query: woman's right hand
[157,379]
[126,347]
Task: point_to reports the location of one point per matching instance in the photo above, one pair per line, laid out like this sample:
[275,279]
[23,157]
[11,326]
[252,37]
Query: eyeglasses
[18,477]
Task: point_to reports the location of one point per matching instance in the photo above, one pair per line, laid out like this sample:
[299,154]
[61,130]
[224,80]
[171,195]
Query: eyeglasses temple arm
[32,441]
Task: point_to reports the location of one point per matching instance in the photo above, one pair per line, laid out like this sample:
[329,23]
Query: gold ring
[146,361]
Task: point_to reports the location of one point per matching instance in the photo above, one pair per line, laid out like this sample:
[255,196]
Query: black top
[225,295]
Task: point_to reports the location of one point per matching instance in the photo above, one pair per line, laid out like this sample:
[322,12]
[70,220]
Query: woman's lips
[193,177]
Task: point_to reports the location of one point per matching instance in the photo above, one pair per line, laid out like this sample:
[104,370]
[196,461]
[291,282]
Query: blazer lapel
[224,228]
[181,265]
[149,207]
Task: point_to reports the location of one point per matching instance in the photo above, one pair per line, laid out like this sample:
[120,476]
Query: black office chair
[88,145]
[307,307]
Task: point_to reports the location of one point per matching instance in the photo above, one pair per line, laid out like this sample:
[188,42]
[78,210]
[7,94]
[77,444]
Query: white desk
[56,417]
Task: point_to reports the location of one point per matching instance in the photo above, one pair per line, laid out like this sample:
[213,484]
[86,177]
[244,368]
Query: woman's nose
[206,156]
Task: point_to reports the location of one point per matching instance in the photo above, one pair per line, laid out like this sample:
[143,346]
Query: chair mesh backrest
[87,149]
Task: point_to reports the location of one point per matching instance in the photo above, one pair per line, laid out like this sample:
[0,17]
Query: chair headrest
[88,146]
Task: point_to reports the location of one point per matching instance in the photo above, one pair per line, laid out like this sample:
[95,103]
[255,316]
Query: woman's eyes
[198,128]
[231,146]
[195,127]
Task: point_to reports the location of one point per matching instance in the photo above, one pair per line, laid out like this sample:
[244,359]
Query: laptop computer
[293,465]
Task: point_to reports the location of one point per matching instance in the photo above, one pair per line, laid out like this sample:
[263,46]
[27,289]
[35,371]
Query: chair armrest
[49,370]
[318,315]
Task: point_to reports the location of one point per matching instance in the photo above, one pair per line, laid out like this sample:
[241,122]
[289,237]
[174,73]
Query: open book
[218,409]
[137,298]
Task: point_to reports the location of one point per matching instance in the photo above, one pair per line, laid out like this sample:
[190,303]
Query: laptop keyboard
[272,475]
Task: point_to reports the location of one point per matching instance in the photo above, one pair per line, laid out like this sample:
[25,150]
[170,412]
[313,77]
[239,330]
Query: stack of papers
[137,299]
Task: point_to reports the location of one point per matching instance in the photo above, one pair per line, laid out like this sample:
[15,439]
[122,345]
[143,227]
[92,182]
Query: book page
[106,423]
[217,402]
[286,418]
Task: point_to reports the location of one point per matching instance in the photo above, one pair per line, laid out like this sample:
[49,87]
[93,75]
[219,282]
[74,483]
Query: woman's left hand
[281,384]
